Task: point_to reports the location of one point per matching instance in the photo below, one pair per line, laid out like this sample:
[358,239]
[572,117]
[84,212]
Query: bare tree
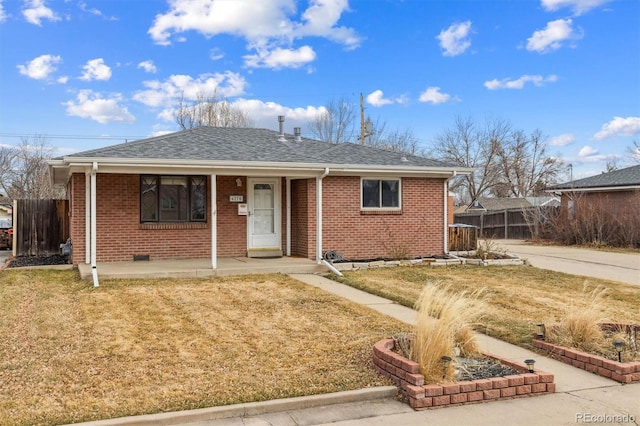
[397,140]
[24,172]
[468,145]
[209,110]
[525,168]
[335,122]
[634,151]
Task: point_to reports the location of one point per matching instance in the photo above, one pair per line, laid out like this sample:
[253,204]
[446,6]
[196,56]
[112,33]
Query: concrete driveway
[4,255]
[621,267]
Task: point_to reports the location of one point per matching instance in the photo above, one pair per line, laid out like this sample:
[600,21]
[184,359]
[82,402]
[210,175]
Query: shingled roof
[253,145]
[628,177]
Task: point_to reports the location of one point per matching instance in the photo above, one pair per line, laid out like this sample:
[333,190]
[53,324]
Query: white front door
[264,213]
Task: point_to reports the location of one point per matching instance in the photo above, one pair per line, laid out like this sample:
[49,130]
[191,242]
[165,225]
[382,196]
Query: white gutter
[332,268]
[288,214]
[319,214]
[94,266]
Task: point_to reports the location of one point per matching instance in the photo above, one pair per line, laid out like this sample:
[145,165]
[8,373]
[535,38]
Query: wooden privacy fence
[498,224]
[463,237]
[40,226]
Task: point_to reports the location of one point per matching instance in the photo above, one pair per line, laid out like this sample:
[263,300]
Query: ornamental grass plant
[580,327]
[444,327]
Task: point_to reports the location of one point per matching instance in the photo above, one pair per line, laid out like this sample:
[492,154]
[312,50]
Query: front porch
[198,268]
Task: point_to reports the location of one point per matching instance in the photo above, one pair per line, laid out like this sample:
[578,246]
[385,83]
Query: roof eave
[595,189]
[233,167]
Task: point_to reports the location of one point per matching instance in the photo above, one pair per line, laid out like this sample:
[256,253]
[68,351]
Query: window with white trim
[380,193]
[173,198]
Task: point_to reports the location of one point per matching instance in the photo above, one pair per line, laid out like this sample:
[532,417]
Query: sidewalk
[580,397]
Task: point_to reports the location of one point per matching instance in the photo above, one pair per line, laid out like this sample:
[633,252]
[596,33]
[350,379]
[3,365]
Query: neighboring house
[617,192]
[229,192]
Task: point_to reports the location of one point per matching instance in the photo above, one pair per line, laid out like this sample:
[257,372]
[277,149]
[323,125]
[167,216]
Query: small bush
[445,322]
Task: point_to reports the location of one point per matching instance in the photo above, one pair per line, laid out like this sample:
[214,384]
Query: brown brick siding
[618,203]
[418,230]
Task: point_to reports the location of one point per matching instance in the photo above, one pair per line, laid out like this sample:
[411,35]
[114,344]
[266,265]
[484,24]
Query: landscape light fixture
[541,331]
[619,344]
[445,364]
[530,363]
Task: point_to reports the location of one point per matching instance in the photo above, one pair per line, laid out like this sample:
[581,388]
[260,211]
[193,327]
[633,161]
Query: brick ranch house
[244,192]
[617,192]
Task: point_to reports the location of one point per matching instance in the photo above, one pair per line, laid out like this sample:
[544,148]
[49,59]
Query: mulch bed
[481,368]
[20,261]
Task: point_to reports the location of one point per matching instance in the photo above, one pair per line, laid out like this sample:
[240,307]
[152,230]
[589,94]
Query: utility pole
[365,127]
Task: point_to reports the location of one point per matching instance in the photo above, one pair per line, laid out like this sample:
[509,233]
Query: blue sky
[91,73]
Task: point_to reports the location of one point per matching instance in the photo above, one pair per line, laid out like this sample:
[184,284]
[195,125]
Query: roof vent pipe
[296,134]
[281,127]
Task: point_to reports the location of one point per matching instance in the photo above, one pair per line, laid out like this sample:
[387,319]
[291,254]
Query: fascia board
[595,189]
[124,165]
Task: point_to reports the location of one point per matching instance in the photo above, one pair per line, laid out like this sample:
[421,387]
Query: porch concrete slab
[198,268]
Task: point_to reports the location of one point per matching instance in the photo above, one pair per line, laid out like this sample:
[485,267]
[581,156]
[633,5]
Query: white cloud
[148,66]
[577,6]
[454,40]
[167,93]
[92,105]
[95,69]
[628,126]
[562,140]
[35,11]
[41,67]
[587,151]
[280,58]
[377,99]
[264,114]
[268,26]
[433,95]
[62,80]
[506,83]
[93,11]
[3,15]
[552,37]
[216,54]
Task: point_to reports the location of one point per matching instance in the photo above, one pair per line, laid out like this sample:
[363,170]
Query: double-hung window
[173,198]
[380,194]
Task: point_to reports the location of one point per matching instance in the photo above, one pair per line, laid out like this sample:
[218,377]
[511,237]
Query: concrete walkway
[580,397]
[623,267]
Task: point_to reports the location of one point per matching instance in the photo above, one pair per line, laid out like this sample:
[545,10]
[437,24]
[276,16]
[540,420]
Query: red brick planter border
[406,375]
[623,372]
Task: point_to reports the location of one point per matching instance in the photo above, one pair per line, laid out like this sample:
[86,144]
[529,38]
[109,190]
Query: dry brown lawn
[516,297]
[71,353]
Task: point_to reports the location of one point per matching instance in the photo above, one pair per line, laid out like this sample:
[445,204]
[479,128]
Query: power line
[74,137]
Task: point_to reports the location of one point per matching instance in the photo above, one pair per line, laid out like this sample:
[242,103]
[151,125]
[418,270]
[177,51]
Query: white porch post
[319,219]
[87,217]
[446,216]
[288,207]
[214,223]
[94,268]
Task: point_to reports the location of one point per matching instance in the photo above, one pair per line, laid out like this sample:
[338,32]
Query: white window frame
[362,207]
